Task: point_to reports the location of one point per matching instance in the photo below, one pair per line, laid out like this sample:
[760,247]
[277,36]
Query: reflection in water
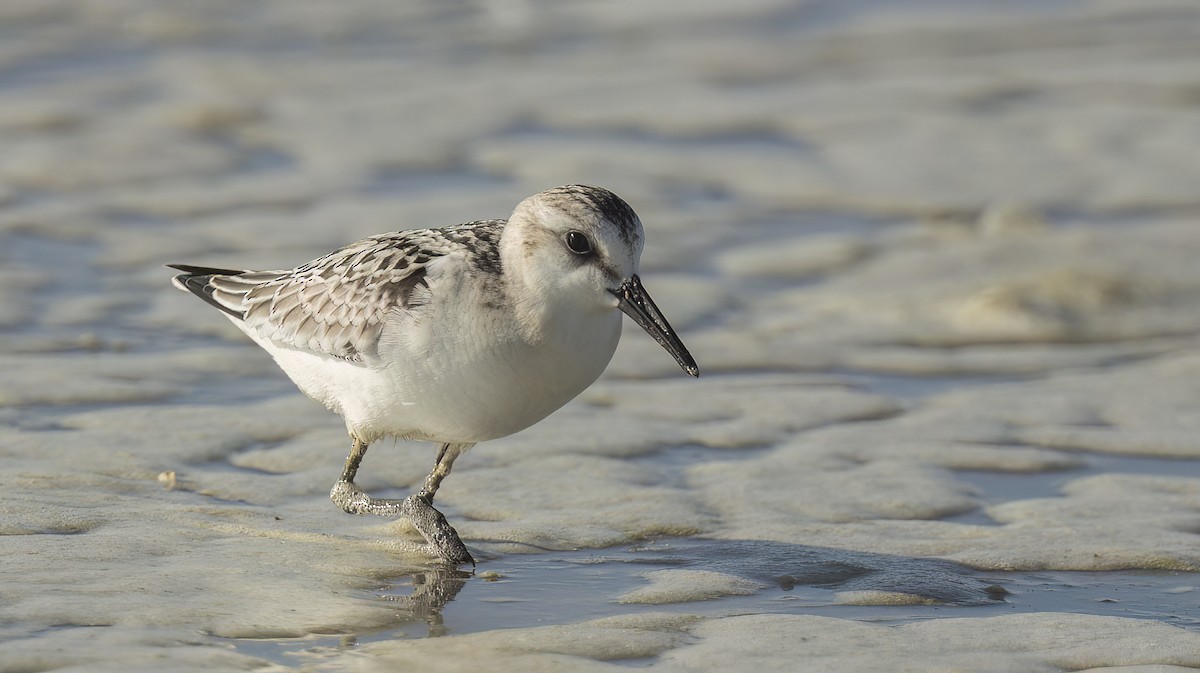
[572,586]
[527,590]
[432,588]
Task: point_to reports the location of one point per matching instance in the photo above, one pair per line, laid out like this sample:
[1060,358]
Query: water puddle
[520,591]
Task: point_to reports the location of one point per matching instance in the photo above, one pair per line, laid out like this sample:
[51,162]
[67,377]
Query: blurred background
[771,140]
[937,261]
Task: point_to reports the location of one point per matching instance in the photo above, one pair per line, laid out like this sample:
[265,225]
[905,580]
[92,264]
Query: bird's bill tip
[635,302]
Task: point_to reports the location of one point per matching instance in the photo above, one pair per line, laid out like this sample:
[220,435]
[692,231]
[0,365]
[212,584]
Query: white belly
[457,388]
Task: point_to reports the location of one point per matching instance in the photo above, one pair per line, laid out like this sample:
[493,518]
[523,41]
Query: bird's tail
[225,289]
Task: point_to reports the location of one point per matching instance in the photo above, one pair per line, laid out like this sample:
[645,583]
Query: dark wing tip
[204,270]
[195,279]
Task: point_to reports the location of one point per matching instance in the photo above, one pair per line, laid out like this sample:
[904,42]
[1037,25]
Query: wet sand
[937,262]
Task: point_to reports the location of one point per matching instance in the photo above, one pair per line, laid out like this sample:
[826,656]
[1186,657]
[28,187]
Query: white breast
[460,374]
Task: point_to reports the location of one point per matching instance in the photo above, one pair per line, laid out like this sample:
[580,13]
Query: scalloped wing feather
[337,305]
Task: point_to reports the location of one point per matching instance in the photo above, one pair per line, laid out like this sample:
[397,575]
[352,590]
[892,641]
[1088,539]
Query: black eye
[579,243]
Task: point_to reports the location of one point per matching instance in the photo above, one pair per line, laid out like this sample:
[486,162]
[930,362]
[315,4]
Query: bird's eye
[579,243]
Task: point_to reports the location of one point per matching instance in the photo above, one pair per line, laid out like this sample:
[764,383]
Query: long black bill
[636,303]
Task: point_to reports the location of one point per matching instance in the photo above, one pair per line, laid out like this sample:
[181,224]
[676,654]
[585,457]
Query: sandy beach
[937,262]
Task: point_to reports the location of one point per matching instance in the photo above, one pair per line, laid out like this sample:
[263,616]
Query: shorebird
[454,335]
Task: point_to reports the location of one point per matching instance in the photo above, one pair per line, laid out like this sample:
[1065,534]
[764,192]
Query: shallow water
[525,591]
[936,262]
[539,589]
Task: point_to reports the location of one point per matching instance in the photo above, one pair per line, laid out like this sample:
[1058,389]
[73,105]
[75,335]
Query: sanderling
[454,335]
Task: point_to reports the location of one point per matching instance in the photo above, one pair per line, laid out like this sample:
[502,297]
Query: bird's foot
[352,499]
[443,541]
[442,538]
